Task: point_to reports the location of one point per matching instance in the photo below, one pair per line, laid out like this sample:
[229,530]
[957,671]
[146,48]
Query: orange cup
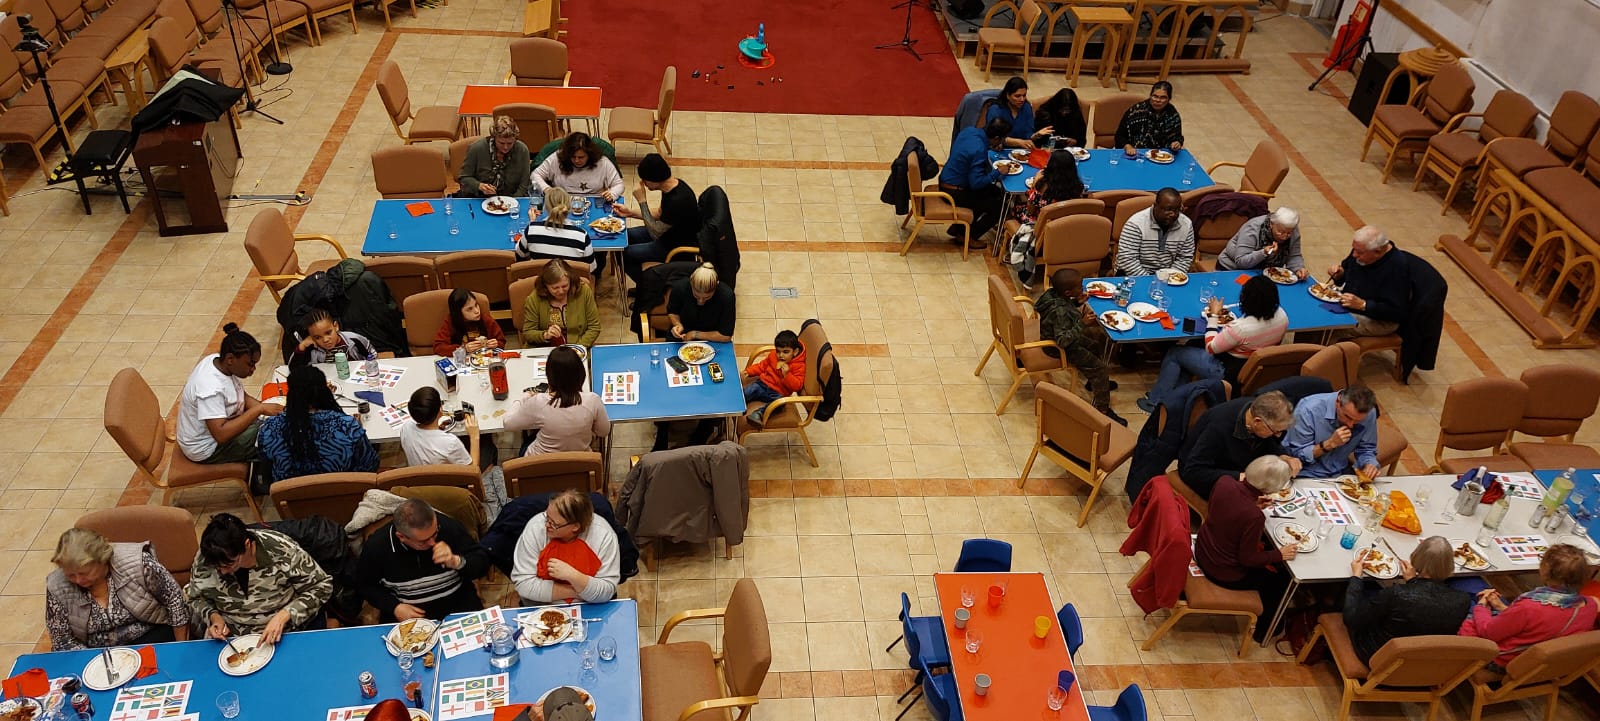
[996,595]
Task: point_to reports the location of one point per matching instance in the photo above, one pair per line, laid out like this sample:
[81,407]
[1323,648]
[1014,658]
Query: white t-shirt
[208,394]
[427,446]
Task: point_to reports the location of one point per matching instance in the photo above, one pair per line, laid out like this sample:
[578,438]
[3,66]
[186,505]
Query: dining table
[1021,666]
[569,103]
[657,394]
[1306,313]
[1112,169]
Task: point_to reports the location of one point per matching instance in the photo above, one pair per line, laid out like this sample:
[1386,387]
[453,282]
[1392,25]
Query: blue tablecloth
[430,233]
[614,684]
[657,401]
[311,672]
[1585,481]
[1305,312]
[1099,173]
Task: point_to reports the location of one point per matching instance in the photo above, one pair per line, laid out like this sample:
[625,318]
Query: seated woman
[468,326]
[568,416]
[560,310]
[313,435]
[700,307]
[1266,241]
[496,165]
[216,417]
[257,581]
[1552,610]
[110,594]
[320,338]
[567,553]
[1229,548]
[1261,324]
[1062,117]
[1152,123]
[1013,106]
[1059,181]
[1425,605]
[557,236]
[579,167]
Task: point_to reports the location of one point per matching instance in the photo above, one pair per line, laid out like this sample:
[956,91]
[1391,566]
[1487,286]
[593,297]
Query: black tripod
[250,106]
[905,40]
[1354,51]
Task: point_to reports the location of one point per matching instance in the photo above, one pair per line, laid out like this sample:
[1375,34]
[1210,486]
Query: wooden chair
[439,474]
[456,157]
[1573,124]
[1014,40]
[425,312]
[1272,364]
[1406,128]
[405,172]
[686,678]
[1081,242]
[932,205]
[519,290]
[1080,439]
[1478,414]
[283,16]
[644,125]
[334,496]
[1201,505]
[1107,115]
[271,246]
[554,472]
[791,414]
[319,9]
[532,268]
[537,123]
[1337,364]
[1059,209]
[538,61]
[383,5]
[1561,396]
[432,122]
[170,532]
[1455,153]
[133,419]
[406,275]
[1264,170]
[1421,669]
[481,271]
[1200,596]
[1541,671]
[1016,336]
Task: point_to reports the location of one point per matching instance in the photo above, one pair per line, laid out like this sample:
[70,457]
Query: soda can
[341,365]
[81,704]
[369,685]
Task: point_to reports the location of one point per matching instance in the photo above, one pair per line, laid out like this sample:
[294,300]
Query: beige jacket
[691,494]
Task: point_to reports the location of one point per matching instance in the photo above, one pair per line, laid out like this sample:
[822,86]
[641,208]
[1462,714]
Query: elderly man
[421,565]
[1064,318]
[1388,290]
[1159,237]
[1267,241]
[498,164]
[972,181]
[1228,437]
[1330,428]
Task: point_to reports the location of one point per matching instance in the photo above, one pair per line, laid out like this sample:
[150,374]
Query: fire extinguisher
[497,380]
[1342,56]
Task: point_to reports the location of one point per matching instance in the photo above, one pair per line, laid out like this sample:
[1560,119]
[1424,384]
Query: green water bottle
[1560,488]
[341,365]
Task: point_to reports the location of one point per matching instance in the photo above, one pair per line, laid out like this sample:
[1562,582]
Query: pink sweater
[1527,622]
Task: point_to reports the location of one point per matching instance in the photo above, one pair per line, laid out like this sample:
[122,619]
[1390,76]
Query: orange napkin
[32,682]
[1242,279]
[147,662]
[419,208]
[510,354]
[509,712]
[1165,320]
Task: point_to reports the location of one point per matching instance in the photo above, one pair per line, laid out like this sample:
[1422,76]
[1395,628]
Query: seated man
[1377,282]
[675,224]
[498,164]
[1266,241]
[971,179]
[1331,427]
[420,565]
[259,581]
[1156,238]
[1228,437]
[1065,319]
[1152,123]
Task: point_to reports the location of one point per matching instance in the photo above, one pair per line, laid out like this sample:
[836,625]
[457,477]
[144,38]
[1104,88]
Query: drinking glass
[967,597]
[1056,698]
[655,357]
[1310,510]
[1347,540]
[587,653]
[228,704]
[1423,494]
[1324,527]
[516,209]
[607,648]
[1088,182]
[974,640]
[1115,158]
[394,231]
[455,225]
[1188,175]
[449,206]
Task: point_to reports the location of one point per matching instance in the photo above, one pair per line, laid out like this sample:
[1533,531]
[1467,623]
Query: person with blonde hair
[1230,549]
[1424,605]
[498,164]
[557,235]
[561,309]
[700,308]
[567,553]
[110,594]
[1554,609]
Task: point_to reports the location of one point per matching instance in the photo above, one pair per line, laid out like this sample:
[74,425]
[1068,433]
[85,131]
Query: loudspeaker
[966,9]
[1374,71]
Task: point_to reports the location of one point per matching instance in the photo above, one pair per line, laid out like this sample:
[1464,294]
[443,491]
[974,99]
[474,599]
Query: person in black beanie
[677,224]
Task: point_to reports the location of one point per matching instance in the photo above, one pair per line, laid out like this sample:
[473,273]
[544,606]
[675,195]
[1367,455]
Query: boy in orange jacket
[778,374]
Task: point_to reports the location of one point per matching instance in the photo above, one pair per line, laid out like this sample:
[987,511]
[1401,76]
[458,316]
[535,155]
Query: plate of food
[610,225]
[1295,533]
[1281,276]
[1324,292]
[1029,181]
[552,626]
[696,352]
[500,205]
[1379,564]
[1283,495]
[21,709]
[1116,320]
[1172,277]
[1223,316]
[1008,167]
[418,714]
[124,664]
[1099,289]
[252,656]
[413,636]
[1356,489]
[1468,557]
[1142,311]
[1157,155]
[1019,155]
[584,695]
[1079,154]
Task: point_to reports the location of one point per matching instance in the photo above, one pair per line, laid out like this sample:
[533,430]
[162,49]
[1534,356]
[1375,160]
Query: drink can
[341,365]
[81,704]
[369,685]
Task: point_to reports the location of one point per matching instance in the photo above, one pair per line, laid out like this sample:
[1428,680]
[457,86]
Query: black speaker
[966,9]
[1374,71]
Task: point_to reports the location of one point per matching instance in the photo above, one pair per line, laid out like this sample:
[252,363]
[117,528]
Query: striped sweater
[1246,335]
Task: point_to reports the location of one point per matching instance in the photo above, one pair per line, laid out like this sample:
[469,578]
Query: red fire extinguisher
[497,380]
[1349,34]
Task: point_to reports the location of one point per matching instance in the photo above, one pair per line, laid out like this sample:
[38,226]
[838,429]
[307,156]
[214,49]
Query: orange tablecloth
[568,102]
[1022,668]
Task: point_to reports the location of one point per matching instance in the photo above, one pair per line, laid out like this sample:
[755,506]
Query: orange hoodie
[766,371]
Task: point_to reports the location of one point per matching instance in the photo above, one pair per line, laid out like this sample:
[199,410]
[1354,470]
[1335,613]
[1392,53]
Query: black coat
[356,296]
[719,244]
[652,289]
[1403,288]
[896,190]
[1157,447]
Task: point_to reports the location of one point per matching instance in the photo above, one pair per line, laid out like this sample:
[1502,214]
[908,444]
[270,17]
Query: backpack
[832,384]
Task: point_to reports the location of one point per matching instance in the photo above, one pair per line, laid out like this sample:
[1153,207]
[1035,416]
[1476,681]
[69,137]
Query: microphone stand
[905,42]
[33,43]
[1353,52]
[250,106]
[279,65]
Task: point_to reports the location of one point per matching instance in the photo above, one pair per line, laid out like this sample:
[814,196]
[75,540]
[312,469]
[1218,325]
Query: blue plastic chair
[925,643]
[984,555]
[940,691]
[1130,707]
[1071,628]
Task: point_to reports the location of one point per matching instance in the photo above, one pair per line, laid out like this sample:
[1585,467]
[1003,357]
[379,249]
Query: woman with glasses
[254,581]
[567,554]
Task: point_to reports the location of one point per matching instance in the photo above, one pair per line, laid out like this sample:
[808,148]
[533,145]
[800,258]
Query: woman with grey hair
[499,164]
[1266,241]
[1230,549]
[110,594]
[1424,605]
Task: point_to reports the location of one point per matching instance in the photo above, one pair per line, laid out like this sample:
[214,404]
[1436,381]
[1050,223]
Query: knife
[1392,552]
[105,656]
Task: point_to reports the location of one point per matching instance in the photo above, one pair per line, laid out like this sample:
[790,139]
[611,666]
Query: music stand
[906,43]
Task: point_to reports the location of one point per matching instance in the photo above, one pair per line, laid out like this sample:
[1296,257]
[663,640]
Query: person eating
[579,167]
[1230,435]
[560,310]
[254,581]
[420,565]
[1332,428]
[1013,107]
[497,164]
[1266,241]
[972,180]
[104,594]
[1423,605]
[1151,123]
[1229,548]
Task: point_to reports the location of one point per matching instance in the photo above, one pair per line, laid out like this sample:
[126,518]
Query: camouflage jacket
[285,577]
[1060,320]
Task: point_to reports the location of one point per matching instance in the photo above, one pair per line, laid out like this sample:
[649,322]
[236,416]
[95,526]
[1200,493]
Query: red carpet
[824,52]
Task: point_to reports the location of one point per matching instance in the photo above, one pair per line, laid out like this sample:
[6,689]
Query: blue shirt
[969,165]
[342,446]
[1315,418]
[1021,123]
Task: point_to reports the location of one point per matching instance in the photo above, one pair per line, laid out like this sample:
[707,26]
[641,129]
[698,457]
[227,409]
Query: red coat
[444,343]
[1160,523]
[1526,622]
[766,371]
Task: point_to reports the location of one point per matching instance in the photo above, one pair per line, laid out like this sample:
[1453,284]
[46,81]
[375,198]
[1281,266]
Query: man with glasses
[1388,290]
[254,581]
[1228,437]
[421,565]
[1330,428]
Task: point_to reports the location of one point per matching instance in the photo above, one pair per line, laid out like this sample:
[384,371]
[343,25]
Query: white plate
[1281,496]
[1079,154]
[507,201]
[1008,167]
[1151,154]
[11,706]
[418,714]
[1317,291]
[391,640]
[531,628]
[257,658]
[1456,544]
[1582,544]
[1285,277]
[706,357]
[1378,555]
[1307,540]
[580,689]
[1172,277]
[124,664]
[1143,311]
[1019,155]
[1100,287]
[1116,320]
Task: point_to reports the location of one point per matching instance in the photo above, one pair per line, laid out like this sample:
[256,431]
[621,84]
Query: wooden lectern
[199,160]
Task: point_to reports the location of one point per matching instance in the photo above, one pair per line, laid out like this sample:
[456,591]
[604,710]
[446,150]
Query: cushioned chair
[1059,209]
[439,474]
[1272,364]
[1202,597]
[793,413]
[1016,336]
[1014,40]
[1572,192]
[1478,414]
[1071,628]
[644,125]
[1126,209]
[983,555]
[133,420]
[284,16]
[926,646]
[1573,123]
[271,245]
[406,275]
[1541,671]
[1129,707]
[1561,396]
[1337,364]
[553,473]
[319,9]
[425,312]
[384,6]
[1264,170]
[69,14]
[932,205]
[405,172]
[1080,439]
[1213,231]
[1454,153]
[1405,128]
[481,271]
[1081,242]
[1421,669]
[519,290]
[1107,115]
[170,531]
[538,61]
[433,122]
[537,124]
[686,678]
[457,157]
[532,268]
[1392,444]
[334,496]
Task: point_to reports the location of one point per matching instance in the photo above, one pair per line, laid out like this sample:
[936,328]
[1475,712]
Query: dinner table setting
[1174,304]
[1008,655]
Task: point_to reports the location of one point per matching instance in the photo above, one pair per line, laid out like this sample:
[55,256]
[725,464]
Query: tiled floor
[915,461]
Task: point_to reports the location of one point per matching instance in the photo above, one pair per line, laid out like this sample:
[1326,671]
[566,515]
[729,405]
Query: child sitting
[778,374]
[425,443]
[321,338]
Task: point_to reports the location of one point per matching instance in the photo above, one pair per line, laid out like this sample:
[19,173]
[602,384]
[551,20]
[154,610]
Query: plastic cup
[974,640]
[228,704]
[962,616]
[608,649]
[996,595]
[981,684]
[967,597]
[1055,698]
[1041,626]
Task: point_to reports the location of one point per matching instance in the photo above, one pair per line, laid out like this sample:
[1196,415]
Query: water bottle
[371,368]
[341,365]
[1497,513]
[1560,488]
[1125,292]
